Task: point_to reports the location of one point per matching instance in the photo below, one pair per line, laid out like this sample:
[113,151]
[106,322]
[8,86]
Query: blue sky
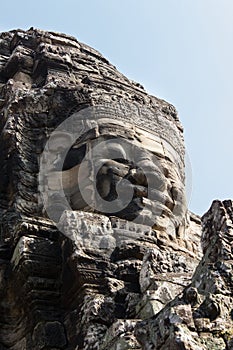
[180,50]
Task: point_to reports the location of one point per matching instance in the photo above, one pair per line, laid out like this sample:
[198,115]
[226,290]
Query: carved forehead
[131,138]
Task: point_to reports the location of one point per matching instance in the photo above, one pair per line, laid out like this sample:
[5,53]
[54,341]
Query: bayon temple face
[92,196]
[94,163]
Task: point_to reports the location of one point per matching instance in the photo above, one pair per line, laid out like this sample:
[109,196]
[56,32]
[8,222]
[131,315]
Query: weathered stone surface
[201,316]
[80,267]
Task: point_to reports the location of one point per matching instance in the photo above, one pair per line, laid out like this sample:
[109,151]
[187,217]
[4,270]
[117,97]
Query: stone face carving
[95,234]
[120,164]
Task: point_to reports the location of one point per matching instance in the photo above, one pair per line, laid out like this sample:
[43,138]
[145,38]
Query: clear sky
[180,50]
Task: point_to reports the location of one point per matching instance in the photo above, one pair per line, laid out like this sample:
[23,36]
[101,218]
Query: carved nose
[110,173]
